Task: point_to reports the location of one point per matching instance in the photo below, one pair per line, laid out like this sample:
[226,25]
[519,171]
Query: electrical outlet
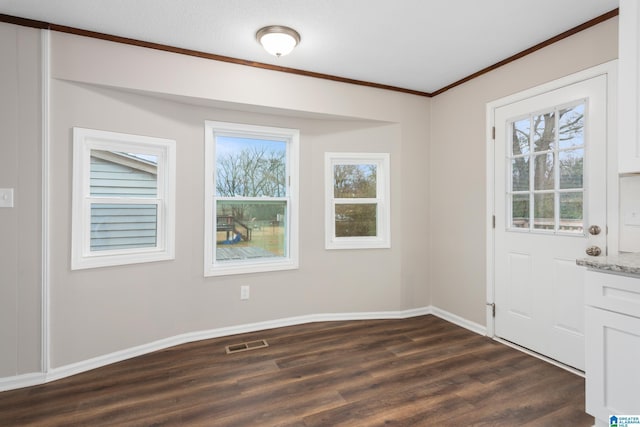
[244,292]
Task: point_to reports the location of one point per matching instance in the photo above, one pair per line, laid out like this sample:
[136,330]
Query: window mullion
[356,201]
[532,173]
[556,172]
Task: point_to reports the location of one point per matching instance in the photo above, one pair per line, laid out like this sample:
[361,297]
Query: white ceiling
[421,45]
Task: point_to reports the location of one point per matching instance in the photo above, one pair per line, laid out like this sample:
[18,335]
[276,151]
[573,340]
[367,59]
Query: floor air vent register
[251,345]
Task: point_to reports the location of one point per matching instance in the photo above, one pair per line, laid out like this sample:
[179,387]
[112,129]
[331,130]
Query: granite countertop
[628,263]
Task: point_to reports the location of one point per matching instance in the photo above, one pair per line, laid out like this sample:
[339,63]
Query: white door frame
[610,70]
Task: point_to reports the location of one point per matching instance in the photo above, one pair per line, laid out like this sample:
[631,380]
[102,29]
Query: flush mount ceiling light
[278,40]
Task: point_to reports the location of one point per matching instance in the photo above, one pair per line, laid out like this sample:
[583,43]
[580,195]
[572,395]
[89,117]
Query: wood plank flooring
[421,371]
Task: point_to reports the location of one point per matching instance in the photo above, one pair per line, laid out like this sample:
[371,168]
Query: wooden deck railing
[229,224]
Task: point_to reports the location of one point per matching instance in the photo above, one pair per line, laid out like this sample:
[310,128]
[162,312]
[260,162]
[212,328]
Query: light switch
[6,197]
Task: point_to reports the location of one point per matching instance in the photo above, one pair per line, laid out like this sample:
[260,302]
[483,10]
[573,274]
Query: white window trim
[292,137]
[85,140]
[383,201]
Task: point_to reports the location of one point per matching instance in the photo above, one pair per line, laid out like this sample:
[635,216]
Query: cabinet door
[612,363]
[629,93]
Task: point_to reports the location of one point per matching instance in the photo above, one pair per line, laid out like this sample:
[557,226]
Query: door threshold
[541,357]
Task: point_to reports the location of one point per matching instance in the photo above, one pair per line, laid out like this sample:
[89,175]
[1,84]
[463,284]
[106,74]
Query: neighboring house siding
[121,226]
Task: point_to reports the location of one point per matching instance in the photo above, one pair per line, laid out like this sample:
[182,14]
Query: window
[251,208]
[123,199]
[357,200]
[546,164]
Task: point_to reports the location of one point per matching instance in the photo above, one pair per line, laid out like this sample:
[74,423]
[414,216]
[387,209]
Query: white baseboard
[23,380]
[460,321]
[118,356]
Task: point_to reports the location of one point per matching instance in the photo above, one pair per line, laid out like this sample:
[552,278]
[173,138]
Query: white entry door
[550,207]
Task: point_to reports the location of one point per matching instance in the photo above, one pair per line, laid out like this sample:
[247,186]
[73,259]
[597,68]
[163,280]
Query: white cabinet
[612,335]
[629,84]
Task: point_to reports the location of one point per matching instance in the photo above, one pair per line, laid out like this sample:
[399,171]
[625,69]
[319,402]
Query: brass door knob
[593,251]
[594,230]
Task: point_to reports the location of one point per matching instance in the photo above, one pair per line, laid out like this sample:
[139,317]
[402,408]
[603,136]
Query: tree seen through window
[250,186]
[547,167]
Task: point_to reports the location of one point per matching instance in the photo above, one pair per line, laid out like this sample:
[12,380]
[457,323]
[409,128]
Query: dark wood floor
[421,371]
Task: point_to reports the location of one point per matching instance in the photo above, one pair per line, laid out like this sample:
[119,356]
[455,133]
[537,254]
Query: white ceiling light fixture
[277,39]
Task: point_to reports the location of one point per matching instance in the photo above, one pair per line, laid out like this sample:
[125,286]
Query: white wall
[630,213]
[103,85]
[20,226]
[458,170]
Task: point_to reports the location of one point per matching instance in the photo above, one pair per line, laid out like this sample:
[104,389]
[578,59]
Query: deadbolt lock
[593,251]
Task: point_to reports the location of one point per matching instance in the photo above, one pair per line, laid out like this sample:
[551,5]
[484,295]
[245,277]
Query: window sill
[231,268]
[95,261]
